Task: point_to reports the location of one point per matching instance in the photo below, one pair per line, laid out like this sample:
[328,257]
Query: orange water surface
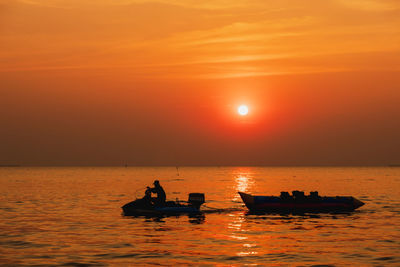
[72,216]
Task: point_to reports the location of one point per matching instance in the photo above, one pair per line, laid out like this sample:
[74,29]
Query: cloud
[371,5]
[204,38]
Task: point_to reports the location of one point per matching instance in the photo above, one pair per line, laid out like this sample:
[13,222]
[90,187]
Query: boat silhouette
[299,203]
[142,207]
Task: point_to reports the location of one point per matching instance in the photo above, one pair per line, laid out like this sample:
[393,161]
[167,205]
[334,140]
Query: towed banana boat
[299,203]
[144,207]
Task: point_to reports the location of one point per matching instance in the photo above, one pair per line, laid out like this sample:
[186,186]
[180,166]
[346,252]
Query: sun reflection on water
[244,181]
[238,232]
[236,227]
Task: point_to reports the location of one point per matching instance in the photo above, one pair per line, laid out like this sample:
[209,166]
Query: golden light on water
[243,182]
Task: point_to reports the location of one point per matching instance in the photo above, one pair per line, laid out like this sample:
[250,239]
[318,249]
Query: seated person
[144,202]
[147,194]
[161,197]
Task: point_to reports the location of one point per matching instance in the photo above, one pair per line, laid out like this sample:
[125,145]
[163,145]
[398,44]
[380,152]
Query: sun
[243,110]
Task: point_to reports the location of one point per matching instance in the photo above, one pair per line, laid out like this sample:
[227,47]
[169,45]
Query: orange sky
[158,82]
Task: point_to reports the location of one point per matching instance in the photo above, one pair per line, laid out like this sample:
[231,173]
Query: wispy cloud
[196,39]
[371,5]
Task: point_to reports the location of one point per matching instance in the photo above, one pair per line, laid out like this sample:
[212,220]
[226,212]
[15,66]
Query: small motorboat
[143,207]
[299,203]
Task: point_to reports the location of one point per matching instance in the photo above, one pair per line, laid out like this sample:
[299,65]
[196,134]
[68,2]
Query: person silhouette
[161,197]
[147,195]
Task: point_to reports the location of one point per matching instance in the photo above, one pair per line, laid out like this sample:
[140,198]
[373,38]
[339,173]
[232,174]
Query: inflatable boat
[299,203]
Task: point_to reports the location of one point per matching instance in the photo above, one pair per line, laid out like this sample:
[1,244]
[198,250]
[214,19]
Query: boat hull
[321,204]
[138,208]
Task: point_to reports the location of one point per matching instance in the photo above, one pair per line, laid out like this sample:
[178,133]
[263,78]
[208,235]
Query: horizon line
[189,165]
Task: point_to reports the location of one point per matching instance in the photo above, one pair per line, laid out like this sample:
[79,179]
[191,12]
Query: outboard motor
[196,199]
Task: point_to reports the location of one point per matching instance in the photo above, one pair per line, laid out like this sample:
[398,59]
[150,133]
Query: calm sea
[72,216]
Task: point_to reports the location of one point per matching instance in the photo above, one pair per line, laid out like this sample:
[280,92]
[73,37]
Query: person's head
[156,183]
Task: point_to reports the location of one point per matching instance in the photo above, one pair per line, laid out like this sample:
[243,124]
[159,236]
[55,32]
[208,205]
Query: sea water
[72,216]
